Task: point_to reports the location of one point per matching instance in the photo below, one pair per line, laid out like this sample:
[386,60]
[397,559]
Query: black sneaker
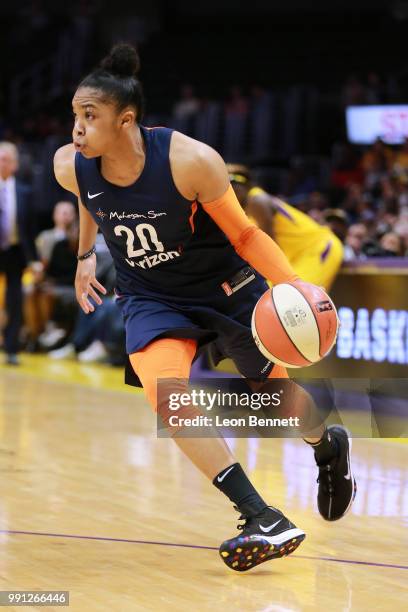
[268,535]
[337,486]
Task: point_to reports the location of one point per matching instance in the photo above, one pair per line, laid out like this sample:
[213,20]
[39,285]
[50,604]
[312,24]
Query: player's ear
[128,118]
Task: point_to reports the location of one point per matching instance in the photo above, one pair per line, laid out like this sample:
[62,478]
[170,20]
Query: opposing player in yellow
[313,250]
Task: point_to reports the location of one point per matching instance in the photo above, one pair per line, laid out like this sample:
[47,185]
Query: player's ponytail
[116,78]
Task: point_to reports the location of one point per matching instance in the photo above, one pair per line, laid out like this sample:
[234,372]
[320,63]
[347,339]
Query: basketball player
[177,234]
[313,250]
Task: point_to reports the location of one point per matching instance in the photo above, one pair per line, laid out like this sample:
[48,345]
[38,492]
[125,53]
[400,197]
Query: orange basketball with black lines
[295,324]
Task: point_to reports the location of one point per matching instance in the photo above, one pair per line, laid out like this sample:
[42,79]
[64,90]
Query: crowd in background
[53,321]
[366,206]
[292,137]
[364,193]
[367,197]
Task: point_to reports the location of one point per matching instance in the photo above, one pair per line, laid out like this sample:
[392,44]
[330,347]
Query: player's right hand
[86,283]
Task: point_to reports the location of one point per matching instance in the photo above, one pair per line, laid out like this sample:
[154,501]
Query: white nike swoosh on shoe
[94,195]
[221,478]
[285,536]
[269,528]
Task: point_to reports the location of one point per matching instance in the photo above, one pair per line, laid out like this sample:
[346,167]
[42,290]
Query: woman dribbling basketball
[190,269]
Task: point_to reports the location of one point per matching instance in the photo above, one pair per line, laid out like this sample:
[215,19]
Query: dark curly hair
[116,78]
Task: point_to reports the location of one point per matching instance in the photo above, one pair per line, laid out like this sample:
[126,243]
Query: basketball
[295,325]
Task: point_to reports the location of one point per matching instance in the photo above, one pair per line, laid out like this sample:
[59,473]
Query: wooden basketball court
[93,503]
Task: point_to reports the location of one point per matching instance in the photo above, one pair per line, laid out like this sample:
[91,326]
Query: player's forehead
[85,97]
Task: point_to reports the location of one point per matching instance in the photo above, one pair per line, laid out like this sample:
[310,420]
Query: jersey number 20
[141,228]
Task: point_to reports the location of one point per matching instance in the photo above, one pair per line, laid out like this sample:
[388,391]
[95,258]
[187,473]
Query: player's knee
[168,397]
[162,392]
[163,369]
[175,408]
[149,384]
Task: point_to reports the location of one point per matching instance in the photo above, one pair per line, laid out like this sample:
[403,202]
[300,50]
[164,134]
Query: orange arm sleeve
[251,243]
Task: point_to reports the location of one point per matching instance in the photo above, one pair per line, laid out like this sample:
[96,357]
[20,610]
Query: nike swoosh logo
[221,478]
[269,528]
[94,195]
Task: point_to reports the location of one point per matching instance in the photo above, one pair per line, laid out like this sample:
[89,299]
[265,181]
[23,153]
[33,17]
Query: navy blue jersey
[178,275]
[161,243]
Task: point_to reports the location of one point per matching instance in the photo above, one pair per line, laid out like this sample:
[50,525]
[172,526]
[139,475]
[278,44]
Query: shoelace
[242,526]
[243,517]
[327,483]
[248,519]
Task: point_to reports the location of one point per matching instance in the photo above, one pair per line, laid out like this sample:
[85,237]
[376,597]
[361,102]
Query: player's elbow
[57,159]
[59,163]
[64,168]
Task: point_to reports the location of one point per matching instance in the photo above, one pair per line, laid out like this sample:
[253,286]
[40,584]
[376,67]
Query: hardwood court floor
[92,502]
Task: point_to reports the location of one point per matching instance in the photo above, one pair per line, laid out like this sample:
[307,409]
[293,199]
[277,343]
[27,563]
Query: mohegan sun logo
[101,214]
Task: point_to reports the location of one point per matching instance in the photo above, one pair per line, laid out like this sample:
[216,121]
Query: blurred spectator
[401,228]
[317,201]
[38,300]
[387,188]
[402,191]
[317,215]
[98,336]
[62,264]
[355,201]
[58,288]
[393,244]
[376,162]
[64,216]
[356,236]
[346,167]
[338,222]
[17,246]
[401,158]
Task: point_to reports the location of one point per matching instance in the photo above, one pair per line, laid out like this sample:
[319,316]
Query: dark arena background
[98,512]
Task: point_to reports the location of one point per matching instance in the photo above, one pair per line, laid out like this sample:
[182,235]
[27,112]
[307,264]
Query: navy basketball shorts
[220,321]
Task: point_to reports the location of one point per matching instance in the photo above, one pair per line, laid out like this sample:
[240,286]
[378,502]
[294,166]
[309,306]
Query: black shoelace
[245,518]
[325,478]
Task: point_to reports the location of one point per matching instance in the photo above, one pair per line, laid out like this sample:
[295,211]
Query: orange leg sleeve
[169,358]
